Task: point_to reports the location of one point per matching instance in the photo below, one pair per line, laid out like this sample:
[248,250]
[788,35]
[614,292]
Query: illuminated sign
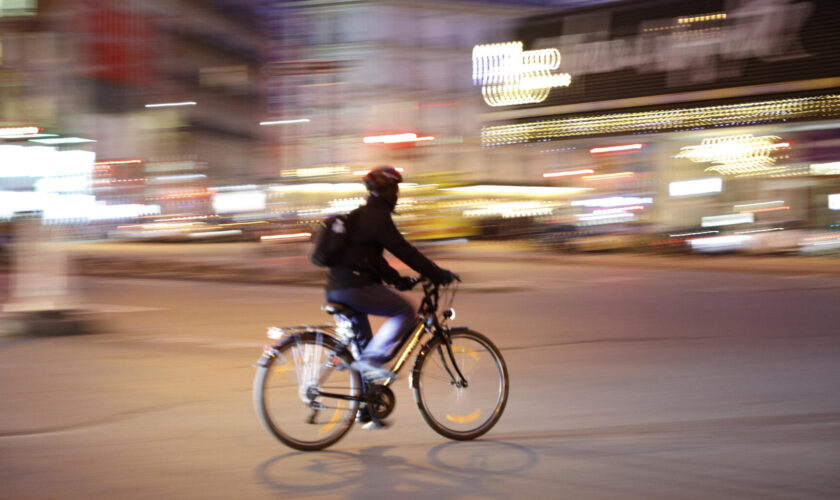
[691,48]
[508,75]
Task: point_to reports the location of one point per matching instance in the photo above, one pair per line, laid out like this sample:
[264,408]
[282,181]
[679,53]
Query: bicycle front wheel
[306,394]
[451,409]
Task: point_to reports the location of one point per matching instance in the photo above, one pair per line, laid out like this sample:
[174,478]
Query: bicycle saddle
[338,308]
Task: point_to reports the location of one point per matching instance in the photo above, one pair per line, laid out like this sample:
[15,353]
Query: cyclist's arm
[393,241]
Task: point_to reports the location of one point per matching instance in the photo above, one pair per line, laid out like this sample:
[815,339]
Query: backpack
[329,241]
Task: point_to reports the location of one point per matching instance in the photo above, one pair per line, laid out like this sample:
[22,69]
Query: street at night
[625,382]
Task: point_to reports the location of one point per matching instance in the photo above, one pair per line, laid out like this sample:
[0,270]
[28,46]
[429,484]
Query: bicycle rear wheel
[461,413]
[302,394]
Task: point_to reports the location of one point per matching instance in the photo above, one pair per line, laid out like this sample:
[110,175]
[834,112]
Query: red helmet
[382,179]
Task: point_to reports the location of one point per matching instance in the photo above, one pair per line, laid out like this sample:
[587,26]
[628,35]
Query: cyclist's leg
[401,319]
[380,300]
[349,297]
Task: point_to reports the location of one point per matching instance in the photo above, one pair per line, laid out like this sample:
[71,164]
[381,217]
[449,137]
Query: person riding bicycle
[357,279]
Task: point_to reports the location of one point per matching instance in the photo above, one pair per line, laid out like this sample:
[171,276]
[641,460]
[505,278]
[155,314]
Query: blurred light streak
[564,173]
[769,209]
[756,112]
[285,122]
[727,220]
[215,234]
[832,168]
[724,243]
[239,201]
[612,201]
[508,75]
[16,132]
[516,190]
[695,186]
[617,149]
[365,172]
[698,233]
[618,210]
[314,171]
[320,187]
[396,138]
[290,236]
[118,162]
[171,104]
[61,140]
[834,201]
[759,204]
[604,177]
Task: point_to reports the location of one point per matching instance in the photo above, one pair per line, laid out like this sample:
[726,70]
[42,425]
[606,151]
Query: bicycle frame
[428,323]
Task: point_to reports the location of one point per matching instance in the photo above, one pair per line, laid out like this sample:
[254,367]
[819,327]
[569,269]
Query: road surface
[625,383]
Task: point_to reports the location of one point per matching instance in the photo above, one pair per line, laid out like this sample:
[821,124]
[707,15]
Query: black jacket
[370,229]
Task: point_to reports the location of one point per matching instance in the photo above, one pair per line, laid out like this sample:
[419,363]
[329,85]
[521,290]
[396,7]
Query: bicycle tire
[280,384]
[461,413]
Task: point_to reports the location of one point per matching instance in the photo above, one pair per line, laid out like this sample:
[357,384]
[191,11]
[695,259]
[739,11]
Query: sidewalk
[288,264]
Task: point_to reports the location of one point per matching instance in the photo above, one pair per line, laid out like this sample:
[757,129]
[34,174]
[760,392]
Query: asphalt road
[625,383]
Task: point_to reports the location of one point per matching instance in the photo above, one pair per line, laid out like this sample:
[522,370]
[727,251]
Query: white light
[176,178]
[27,136]
[320,187]
[565,173]
[291,236]
[15,132]
[522,190]
[832,168]
[171,104]
[612,201]
[285,122]
[62,140]
[239,201]
[834,201]
[720,243]
[365,172]
[615,149]
[215,234]
[761,203]
[696,186]
[595,217]
[395,138]
[727,220]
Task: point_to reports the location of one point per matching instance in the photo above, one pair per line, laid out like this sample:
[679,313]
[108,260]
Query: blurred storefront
[683,117]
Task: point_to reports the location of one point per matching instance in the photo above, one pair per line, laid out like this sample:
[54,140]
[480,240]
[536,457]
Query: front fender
[414,376]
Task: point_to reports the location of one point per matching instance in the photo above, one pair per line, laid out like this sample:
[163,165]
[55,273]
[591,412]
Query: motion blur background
[646,126]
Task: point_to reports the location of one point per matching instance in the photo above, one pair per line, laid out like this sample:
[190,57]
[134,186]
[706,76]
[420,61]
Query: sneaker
[374,425]
[372,372]
[363,416]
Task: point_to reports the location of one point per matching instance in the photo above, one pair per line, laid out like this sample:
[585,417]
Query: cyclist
[357,279]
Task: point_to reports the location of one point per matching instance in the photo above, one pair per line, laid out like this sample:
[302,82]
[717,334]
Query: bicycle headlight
[449,313]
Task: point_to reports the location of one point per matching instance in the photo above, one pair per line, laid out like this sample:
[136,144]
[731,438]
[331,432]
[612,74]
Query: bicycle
[308,397]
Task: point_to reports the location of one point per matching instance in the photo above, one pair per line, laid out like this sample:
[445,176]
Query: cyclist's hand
[446,277]
[405,283]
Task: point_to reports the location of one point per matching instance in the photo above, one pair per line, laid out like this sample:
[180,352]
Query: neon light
[616,149]
[396,138]
[508,75]
[769,209]
[564,173]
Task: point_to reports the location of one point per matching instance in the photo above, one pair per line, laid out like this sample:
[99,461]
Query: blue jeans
[378,300]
